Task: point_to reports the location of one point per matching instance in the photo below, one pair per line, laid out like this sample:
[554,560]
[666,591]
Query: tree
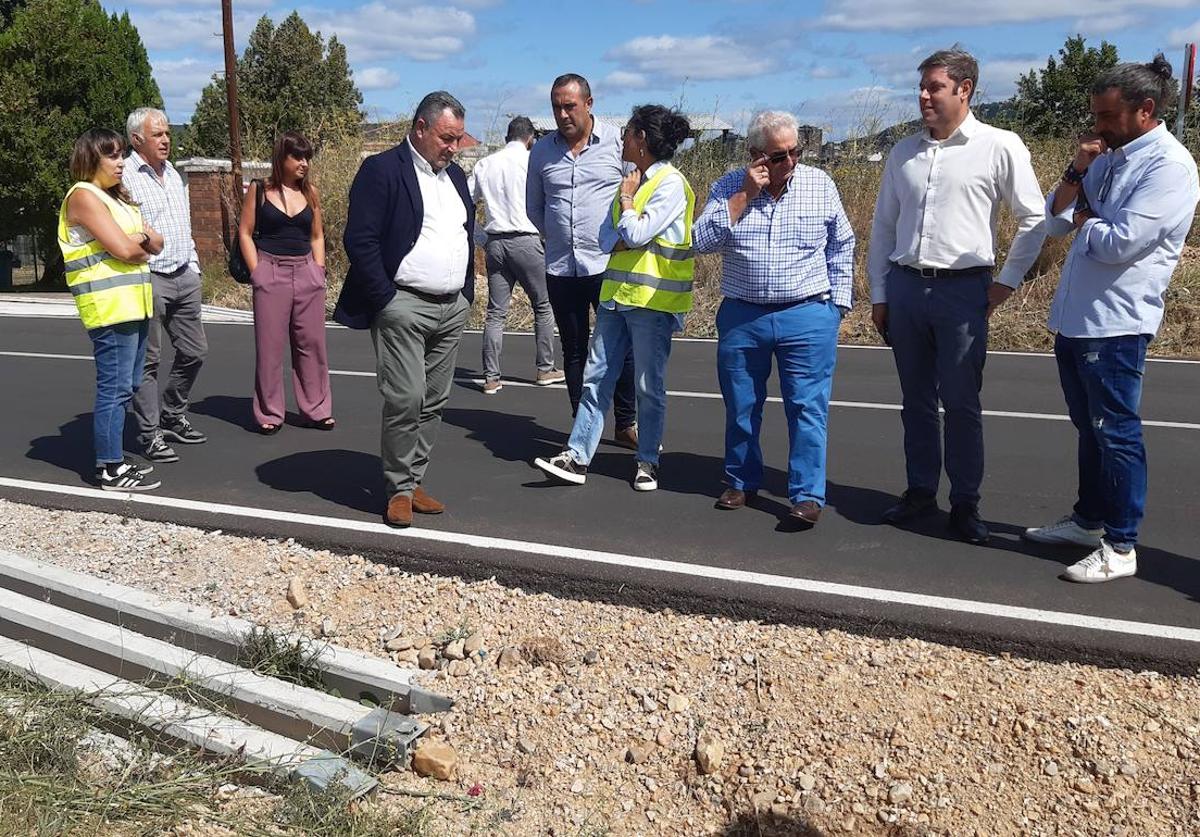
[288,80]
[1054,102]
[65,66]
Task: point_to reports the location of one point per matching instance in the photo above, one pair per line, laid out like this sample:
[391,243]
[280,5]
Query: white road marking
[682,393]
[590,556]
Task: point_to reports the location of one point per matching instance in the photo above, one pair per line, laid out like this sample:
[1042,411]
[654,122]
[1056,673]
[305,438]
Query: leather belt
[439,299]
[514,234]
[942,272]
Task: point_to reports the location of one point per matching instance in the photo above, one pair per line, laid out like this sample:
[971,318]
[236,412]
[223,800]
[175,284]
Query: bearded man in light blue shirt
[1130,194]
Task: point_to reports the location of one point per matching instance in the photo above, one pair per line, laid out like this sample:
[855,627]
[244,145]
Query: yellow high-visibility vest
[657,276]
[107,290]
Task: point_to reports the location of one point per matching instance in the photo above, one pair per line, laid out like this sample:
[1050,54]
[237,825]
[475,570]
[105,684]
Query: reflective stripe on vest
[106,289]
[658,275]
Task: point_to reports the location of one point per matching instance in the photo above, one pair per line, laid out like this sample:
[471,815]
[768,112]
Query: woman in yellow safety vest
[647,291]
[105,247]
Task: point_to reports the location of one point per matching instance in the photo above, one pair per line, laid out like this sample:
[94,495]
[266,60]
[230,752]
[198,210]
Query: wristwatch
[145,238]
[1073,176]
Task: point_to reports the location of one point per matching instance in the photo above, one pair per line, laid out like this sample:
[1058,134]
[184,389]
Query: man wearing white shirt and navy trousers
[514,254]
[931,260]
[1130,195]
[408,237]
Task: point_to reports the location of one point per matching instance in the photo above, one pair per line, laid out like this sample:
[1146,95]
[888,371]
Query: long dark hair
[292,144]
[665,129]
[93,145]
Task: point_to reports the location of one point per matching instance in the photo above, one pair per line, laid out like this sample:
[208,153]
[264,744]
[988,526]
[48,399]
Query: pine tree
[1055,102]
[288,79]
[65,66]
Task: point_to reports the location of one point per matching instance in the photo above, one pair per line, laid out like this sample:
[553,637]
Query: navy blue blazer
[382,226]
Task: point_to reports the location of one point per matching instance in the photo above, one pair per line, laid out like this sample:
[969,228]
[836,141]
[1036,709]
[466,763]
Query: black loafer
[913,504]
[966,523]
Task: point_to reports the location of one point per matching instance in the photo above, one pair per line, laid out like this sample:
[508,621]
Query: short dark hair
[1139,82]
[573,78]
[665,129]
[519,129]
[433,104]
[960,66]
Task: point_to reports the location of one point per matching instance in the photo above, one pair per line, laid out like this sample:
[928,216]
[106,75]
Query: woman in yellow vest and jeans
[647,291]
[105,247]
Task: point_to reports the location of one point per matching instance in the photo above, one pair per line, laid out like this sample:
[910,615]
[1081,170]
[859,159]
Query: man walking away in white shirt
[1130,196]
[931,260]
[514,254]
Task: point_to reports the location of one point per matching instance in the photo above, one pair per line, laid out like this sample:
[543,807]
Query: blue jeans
[120,351]
[1102,382]
[938,331]
[802,337]
[648,333]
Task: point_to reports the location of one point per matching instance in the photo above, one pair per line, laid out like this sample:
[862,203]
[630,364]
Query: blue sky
[846,65]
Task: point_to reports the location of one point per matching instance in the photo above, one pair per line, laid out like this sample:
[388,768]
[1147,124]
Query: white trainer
[1104,564]
[1065,530]
[563,468]
[645,478]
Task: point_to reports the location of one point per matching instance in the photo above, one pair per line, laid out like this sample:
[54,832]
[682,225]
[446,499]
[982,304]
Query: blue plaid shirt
[165,207]
[781,250]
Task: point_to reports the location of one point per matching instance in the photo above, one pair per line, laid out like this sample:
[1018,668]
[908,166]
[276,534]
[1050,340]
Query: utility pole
[1185,93]
[235,131]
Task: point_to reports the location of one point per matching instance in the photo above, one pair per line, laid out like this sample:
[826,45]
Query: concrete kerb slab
[185,723]
[294,711]
[359,677]
[62,305]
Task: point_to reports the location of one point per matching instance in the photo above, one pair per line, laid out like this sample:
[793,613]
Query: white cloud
[622,80]
[858,112]
[208,5]
[1186,35]
[915,14]
[375,78]
[700,58]
[823,71]
[181,82]
[392,29]
[169,30]
[998,78]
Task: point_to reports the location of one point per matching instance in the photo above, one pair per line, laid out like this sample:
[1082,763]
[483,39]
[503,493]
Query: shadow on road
[345,477]
[230,408]
[70,449]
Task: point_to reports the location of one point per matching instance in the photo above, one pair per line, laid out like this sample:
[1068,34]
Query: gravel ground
[588,718]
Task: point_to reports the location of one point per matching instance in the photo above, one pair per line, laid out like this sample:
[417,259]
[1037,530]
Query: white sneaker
[1105,564]
[645,478]
[1065,530]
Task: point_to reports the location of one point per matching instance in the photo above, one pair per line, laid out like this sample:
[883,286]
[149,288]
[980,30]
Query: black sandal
[268,429]
[323,424]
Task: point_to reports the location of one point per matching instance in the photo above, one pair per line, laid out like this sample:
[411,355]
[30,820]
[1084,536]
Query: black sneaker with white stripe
[122,476]
[562,467]
[159,451]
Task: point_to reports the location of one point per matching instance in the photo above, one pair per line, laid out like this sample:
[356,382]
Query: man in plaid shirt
[786,277]
[175,274]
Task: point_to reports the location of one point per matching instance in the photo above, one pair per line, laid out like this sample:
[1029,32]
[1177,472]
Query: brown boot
[422,503]
[732,498]
[808,512]
[399,511]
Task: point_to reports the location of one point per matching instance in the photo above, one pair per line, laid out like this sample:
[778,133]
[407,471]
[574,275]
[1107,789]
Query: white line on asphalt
[591,556]
[683,393]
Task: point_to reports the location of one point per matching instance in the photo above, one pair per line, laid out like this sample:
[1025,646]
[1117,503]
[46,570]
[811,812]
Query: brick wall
[214,209]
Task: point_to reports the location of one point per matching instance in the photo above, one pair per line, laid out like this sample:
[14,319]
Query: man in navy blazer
[411,282]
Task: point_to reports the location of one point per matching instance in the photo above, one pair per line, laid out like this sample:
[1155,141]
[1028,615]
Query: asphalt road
[670,546]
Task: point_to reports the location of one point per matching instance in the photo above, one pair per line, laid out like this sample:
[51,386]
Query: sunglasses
[779,156]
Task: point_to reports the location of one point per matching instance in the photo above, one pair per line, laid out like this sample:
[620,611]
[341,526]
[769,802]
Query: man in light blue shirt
[1130,194]
[573,177]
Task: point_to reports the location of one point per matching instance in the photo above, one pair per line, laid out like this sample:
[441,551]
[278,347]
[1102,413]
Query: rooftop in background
[701,123]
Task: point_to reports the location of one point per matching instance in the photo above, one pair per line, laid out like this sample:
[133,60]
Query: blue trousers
[1102,381]
[938,332]
[802,338]
[120,351]
[645,336]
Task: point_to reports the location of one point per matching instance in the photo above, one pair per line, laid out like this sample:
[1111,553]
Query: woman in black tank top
[282,237]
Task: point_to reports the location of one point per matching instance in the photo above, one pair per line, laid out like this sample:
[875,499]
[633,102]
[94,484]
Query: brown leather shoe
[807,512]
[733,498]
[626,437]
[422,503]
[399,511]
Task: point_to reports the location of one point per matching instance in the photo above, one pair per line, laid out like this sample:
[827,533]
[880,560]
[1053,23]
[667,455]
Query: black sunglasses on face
[779,156]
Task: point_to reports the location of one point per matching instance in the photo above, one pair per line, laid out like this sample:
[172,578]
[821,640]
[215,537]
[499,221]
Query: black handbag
[238,269]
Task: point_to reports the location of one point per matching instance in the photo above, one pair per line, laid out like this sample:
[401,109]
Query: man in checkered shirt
[786,277]
[175,273]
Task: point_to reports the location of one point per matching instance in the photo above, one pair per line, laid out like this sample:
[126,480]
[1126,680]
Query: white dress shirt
[940,199]
[499,181]
[164,204]
[437,264]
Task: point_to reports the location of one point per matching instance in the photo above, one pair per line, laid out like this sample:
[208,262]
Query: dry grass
[1019,326]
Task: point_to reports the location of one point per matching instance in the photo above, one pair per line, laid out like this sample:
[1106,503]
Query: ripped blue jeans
[1102,381]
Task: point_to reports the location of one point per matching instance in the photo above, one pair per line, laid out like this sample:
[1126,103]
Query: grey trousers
[176,311]
[416,345]
[512,260]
